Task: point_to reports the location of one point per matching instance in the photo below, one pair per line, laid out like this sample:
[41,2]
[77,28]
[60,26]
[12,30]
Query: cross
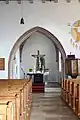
[38,55]
[39,60]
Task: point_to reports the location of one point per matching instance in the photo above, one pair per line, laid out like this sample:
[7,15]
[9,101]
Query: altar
[38,72]
[36,77]
[38,84]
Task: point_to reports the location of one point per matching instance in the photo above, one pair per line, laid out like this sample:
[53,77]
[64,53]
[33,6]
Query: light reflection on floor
[49,106]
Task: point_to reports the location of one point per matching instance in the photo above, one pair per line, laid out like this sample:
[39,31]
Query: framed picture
[2,63]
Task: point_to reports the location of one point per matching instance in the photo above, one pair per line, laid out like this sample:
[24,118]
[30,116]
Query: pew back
[16,97]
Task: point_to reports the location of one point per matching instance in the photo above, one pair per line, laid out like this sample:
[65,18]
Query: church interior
[39,59]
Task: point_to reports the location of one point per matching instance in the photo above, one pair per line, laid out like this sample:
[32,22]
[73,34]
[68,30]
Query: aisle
[49,106]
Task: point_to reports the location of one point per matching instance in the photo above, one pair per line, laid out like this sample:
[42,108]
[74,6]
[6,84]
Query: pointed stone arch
[25,36]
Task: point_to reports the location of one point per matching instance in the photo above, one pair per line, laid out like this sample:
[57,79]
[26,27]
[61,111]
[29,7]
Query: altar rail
[15,99]
[70,92]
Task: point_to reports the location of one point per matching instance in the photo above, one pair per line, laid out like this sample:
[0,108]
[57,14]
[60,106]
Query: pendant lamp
[22,19]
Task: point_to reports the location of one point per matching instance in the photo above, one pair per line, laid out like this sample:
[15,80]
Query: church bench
[77,100]
[63,89]
[19,93]
[66,90]
[74,94]
[72,98]
[70,92]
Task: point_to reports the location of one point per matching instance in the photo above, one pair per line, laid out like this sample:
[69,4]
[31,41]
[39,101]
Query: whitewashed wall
[16,65]
[51,16]
[39,42]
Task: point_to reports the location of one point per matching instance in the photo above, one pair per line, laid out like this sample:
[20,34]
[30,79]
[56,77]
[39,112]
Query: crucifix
[40,61]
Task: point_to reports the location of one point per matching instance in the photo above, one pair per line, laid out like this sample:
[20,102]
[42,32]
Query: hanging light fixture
[22,19]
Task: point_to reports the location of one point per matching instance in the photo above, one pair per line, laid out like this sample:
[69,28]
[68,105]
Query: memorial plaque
[2,63]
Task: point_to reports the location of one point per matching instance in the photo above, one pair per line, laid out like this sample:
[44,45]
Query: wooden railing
[15,99]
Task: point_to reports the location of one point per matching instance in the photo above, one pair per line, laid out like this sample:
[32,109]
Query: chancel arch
[21,41]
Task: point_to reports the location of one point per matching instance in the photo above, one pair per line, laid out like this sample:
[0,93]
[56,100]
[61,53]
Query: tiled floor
[49,106]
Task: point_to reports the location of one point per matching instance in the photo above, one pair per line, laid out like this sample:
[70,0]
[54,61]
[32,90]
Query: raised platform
[38,87]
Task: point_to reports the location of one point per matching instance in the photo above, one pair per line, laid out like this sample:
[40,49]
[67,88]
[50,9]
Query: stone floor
[49,106]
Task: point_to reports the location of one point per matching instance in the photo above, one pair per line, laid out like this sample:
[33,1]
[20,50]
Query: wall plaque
[2,63]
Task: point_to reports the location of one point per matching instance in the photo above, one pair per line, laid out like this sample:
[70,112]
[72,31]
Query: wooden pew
[71,94]
[75,95]
[63,89]
[19,94]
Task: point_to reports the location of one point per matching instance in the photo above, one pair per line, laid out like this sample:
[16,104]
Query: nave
[50,106]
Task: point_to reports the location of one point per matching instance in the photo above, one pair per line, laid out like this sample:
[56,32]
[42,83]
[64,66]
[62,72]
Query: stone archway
[25,36]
